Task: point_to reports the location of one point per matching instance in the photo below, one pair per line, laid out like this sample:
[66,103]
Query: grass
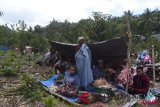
[50,101]
[30,89]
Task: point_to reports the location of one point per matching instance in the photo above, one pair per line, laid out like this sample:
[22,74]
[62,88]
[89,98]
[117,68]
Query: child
[71,77]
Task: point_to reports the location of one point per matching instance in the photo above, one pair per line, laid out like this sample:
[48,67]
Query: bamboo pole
[74,104]
[128,50]
[153,63]
[29,58]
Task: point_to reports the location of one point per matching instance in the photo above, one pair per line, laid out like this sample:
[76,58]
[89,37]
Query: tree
[156,15]
[22,35]
[101,26]
[38,29]
[146,22]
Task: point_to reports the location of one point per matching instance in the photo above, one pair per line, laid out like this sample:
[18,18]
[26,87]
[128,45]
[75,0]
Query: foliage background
[97,27]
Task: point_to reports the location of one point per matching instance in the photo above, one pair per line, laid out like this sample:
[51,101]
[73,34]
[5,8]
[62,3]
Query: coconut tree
[156,15]
[146,22]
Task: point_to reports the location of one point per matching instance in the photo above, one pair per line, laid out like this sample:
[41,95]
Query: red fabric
[84,97]
[140,84]
[153,102]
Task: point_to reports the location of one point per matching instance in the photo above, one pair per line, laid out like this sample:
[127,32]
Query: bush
[30,88]
[50,101]
[10,63]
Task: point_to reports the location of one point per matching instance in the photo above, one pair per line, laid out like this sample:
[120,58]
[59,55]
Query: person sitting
[71,77]
[112,76]
[52,57]
[122,77]
[48,58]
[140,83]
[98,72]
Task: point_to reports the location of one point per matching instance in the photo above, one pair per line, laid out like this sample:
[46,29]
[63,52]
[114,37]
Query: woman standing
[83,63]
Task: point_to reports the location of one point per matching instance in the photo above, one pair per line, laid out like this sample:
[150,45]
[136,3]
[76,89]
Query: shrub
[30,88]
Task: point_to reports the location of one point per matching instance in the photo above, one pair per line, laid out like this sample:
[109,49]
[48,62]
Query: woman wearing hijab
[83,63]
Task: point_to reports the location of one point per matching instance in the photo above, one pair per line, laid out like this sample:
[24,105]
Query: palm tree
[146,22]
[156,15]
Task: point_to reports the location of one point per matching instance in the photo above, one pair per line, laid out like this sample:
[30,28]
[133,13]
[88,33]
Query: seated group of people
[138,80]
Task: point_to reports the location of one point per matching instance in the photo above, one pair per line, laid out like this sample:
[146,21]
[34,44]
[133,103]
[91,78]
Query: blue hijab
[83,65]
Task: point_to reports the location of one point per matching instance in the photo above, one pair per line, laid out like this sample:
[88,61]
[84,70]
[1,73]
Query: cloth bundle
[53,88]
[68,90]
[85,98]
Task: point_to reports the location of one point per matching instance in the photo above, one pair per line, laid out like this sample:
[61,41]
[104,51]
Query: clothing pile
[156,91]
[88,97]
[53,88]
[68,90]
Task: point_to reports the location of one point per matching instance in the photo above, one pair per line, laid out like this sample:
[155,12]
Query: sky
[41,12]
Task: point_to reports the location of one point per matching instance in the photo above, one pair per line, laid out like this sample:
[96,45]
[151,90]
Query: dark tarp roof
[112,52]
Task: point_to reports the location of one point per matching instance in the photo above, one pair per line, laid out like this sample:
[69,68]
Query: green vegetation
[31,89]
[11,69]
[9,64]
[96,28]
[50,101]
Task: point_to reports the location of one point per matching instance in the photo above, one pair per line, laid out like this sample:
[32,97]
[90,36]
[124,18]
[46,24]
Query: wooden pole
[153,63]
[128,50]
[29,58]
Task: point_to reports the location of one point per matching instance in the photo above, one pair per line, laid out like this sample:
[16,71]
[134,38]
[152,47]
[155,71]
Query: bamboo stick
[128,50]
[63,98]
[153,63]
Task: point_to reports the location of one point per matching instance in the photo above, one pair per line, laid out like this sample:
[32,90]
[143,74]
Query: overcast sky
[41,12]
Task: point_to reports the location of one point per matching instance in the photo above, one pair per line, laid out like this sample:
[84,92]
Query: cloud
[40,12]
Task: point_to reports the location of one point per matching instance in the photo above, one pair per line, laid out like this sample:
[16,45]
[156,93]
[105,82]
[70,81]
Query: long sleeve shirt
[122,77]
[98,73]
[141,84]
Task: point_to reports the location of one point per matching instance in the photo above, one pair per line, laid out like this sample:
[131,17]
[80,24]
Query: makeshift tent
[112,51]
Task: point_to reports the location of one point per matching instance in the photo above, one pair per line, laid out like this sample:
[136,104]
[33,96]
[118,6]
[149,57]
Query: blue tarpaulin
[47,83]
[4,48]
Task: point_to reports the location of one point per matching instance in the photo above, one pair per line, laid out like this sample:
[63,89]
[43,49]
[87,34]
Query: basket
[103,90]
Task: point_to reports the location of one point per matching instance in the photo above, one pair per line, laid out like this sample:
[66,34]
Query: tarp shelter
[112,51]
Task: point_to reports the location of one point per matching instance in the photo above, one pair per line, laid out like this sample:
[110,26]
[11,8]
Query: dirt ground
[8,99]
[7,83]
